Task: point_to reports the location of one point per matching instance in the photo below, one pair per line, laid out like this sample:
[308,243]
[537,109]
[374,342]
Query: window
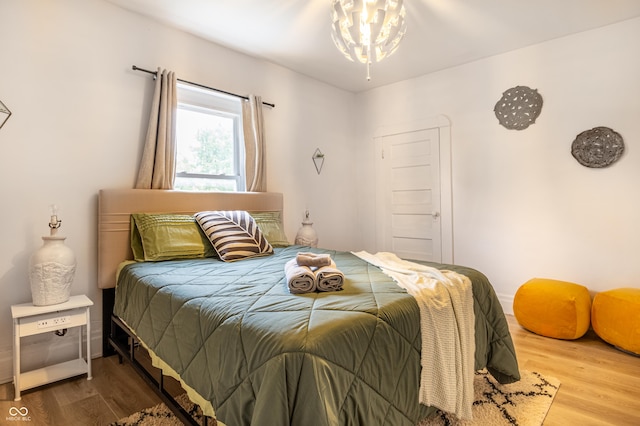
[210,151]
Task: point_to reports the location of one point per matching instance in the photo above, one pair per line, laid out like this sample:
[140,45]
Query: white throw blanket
[447,326]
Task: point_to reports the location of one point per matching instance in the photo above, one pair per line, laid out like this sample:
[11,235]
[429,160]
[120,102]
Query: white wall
[79,119]
[523,207]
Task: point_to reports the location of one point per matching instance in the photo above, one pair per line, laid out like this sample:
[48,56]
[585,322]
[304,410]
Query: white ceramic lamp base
[306,235]
[51,271]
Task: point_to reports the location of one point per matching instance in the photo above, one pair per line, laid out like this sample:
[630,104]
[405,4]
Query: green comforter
[263,356]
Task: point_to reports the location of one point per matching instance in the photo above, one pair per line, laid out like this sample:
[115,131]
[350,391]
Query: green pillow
[167,236]
[270,223]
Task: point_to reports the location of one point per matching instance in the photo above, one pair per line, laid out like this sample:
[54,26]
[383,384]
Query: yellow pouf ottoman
[615,317]
[553,308]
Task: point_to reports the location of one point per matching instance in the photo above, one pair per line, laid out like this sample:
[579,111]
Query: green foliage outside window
[205,147]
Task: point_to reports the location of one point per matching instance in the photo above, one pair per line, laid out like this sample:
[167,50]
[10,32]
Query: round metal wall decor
[598,147]
[518,108]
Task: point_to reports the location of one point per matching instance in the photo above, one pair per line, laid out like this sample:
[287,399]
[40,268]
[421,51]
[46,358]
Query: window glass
[210,152]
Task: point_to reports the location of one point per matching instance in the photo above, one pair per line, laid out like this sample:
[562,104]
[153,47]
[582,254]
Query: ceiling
[440,33]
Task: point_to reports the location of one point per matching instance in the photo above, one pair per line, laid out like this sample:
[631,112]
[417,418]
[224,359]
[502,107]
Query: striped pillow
[234,234]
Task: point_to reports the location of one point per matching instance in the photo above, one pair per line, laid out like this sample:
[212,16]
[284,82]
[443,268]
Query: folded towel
[329,278]
[300,279]
[304,258]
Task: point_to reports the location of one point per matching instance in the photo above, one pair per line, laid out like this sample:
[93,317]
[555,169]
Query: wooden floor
[115,391]
[600,386]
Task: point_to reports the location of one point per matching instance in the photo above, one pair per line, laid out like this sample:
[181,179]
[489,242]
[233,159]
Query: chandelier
[367,30]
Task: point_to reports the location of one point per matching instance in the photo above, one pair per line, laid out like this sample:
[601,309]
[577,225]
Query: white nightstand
[29,320]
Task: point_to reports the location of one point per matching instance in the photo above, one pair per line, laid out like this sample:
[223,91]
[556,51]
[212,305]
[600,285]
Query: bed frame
[115,207]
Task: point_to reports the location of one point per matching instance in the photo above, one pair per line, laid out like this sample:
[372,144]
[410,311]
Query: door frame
[443,125]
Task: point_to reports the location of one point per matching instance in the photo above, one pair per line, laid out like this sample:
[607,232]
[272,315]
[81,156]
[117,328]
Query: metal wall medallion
[518,108]
[598,147]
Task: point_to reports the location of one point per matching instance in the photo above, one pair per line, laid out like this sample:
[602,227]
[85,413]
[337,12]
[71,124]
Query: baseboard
[45,349]
[506,300]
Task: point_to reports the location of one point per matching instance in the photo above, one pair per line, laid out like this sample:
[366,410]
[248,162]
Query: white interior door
[409,193]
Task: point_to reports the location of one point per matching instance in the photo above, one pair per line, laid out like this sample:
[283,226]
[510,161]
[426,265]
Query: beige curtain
[158,165]
[253,127]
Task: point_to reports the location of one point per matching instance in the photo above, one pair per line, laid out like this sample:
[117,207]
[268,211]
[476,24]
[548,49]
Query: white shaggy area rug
[524,403]
[161,415]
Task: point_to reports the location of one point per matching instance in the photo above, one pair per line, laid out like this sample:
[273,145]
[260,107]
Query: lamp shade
[367,30]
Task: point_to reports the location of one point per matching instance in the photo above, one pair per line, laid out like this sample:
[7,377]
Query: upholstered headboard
[116,205]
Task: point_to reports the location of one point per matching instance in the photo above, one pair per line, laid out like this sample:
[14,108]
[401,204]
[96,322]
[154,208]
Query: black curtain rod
[155,74]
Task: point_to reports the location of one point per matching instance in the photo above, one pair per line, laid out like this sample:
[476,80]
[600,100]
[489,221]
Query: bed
[244,346]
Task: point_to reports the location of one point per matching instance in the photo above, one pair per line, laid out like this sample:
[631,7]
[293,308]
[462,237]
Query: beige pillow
[235,235]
